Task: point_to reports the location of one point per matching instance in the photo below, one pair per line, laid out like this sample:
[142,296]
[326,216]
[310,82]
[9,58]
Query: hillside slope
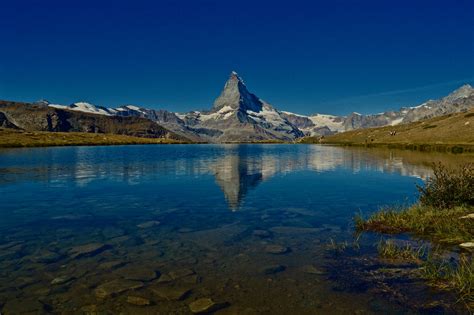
[448,130]
[34,117]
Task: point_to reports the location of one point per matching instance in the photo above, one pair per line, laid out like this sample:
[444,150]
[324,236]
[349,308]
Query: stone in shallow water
[205,305]
[272,269]
[48,257]
[62,280]
[111,264]
[171,293]
[276,249]
[87,250]
[310,269]
[261,233]
[112,232]
[138,273]
[23,306]
[115,287]
[9,245]
[148,224]
[166,278]
[181,273]
[137,300]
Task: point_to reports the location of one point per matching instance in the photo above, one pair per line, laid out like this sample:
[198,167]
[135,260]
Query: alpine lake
[224,229]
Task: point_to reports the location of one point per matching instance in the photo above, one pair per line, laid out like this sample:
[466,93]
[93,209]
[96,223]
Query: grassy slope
[450,130]
[14,138]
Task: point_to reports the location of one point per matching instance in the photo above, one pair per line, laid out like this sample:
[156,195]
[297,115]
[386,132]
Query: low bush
[449,188]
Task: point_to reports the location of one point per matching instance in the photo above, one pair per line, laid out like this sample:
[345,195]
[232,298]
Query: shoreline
[10,138]
[421,147]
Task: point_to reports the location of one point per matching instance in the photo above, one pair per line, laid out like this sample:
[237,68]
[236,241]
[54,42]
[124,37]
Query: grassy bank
[443,216]
[452,133]
[13,138]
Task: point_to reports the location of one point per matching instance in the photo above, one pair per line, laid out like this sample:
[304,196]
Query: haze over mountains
[237,115]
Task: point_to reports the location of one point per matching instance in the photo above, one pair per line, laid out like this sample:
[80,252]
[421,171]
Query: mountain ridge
[237,115]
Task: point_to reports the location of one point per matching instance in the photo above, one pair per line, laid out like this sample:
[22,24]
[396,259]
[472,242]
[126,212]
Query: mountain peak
[462,92]
[236,95]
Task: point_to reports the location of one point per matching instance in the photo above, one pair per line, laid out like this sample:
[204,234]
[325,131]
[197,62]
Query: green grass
[457,276]
[445,227]
[450,133]
[14,138]
[389,250]
[446,197]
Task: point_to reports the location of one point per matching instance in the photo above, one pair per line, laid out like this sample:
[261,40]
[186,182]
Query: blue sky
[301,56]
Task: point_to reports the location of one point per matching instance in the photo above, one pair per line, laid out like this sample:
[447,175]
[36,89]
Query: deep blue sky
[301,56]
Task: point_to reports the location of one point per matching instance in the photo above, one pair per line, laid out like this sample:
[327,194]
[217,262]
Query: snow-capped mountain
[459,100]
[87,108]
[238,115]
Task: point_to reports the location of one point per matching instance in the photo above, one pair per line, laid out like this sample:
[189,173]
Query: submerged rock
[261,233]
[205,305]
[137,300]
[87,250]
[138,273]
[272,269]
[276,249]
[171,293]
[23,306]
[62,280]
[310,269]
[181,273]
[115,287]
[148,224]
[112,264]
[48,257]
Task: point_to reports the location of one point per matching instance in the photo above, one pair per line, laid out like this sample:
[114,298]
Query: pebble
[87,250]
[310,269]
[181,273]
[261,233]
[115,287]
[137,300]
[205,305]
[148,224]
[62,280]
[48,257]
[171,293]
[273,269]
[276,249]
[138,273]
[112,264]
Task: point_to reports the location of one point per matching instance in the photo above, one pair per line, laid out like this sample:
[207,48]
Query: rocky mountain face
[237,115]
[41,117]
[459,100]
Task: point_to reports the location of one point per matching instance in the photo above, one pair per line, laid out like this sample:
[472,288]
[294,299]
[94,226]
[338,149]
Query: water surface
[246,225]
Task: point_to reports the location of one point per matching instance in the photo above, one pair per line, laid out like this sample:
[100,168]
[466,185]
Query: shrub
[449,188]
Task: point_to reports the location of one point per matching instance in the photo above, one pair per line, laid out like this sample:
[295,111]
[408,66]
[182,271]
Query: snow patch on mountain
[86,108]
[335,123]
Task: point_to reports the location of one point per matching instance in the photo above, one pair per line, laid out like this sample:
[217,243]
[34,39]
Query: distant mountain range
[240,116]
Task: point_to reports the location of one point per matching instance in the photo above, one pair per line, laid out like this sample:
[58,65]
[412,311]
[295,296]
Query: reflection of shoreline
[236,168]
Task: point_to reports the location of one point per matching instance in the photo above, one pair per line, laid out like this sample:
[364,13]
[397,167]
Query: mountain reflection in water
[236,168]
[78,222]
